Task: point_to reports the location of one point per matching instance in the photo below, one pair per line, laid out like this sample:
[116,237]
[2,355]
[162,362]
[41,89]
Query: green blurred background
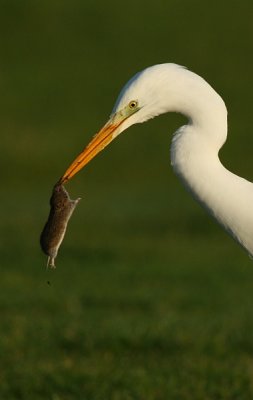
[150,298]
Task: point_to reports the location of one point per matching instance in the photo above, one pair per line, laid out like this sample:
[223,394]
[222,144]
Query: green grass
[150,300]
[122,322]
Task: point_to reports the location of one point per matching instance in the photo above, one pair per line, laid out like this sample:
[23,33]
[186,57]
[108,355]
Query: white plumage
[194,152]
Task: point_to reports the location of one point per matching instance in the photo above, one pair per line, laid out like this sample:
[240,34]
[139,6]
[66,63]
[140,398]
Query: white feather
[195,147]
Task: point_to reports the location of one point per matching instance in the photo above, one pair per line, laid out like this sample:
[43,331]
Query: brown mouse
[53,233]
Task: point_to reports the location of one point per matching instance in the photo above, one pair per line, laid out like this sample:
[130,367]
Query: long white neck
[194,157]
[195,147]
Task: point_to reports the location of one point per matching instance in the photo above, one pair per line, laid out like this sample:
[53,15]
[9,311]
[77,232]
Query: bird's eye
[133,104]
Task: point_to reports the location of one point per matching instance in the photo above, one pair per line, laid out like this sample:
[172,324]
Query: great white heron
[166,88]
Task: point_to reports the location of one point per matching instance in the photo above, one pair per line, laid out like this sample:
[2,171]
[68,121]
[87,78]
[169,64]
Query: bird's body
[194,152]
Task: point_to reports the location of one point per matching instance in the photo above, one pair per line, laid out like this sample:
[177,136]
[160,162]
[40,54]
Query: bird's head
[140,99]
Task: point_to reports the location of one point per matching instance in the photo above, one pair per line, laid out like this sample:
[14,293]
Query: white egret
[194,152]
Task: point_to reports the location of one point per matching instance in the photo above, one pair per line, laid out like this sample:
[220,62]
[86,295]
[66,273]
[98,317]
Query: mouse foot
[50,262]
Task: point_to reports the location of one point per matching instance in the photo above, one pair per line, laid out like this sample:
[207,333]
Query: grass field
[150,300]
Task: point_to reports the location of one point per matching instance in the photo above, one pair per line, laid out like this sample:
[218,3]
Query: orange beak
[98,143]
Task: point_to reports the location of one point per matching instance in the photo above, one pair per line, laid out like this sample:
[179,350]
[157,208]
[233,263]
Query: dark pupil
[132,104]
